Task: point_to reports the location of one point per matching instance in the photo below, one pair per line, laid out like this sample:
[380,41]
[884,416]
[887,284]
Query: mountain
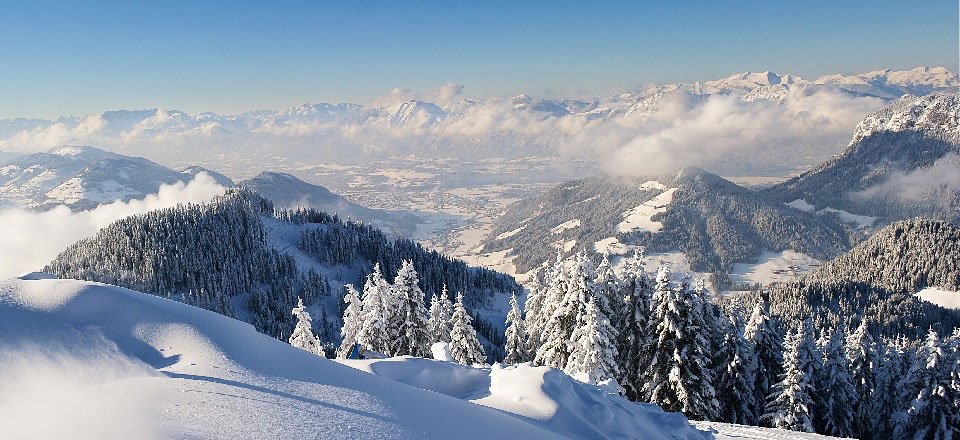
[6,156]
[289,192]
[894,84]
[80,177]
[712,222]
[217,177]
[903,161]
[139,366]
[239,257]
[879,280]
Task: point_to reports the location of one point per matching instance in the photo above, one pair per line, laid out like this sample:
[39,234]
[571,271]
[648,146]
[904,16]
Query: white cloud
[920,184]
[29,240]
[46,136]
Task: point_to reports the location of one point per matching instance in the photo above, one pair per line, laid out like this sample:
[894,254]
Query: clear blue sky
[74,57]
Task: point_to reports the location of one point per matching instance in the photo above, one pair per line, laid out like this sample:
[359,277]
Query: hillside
[878,279]
[901,162]
[145,367]
[288,192]
[235,257]
[712,222]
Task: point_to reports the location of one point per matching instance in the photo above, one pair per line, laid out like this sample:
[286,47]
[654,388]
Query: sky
[73,58]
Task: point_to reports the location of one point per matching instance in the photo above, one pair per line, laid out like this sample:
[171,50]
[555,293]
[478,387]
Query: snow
[862,221]
[569,224]
[772,267]
[88,360]
[542,396]
[509,234]
[943,298]
[726,431]
[651,185]
[641,217]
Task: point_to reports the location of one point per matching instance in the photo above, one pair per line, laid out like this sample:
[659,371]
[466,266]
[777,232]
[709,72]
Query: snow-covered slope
[87,360]
[542,396]
[81,177]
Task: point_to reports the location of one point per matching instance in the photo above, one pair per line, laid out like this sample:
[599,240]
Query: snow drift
[88,360]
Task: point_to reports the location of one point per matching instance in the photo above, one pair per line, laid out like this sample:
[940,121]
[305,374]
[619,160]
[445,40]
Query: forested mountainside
[239,257]
[902,162]
[714,222]
[288,192]
[877,280]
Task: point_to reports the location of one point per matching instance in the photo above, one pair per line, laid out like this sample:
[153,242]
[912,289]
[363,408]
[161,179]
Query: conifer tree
[679,376]
[637,290]
[862,359]
[836,395]
[593,358]
[735,388]
[411,318]
[352,322]
[577,286]
[933,413]
[302,336]
[515,335]
[464,345]
[791,404]
[439,323]
[373,334]
[768,349]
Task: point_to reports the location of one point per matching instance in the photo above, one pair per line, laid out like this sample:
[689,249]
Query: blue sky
[75,57]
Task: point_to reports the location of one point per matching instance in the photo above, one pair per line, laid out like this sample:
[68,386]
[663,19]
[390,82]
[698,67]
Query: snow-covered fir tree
[610,300]
[735,384]
[593,358]
[637,290]
[464,345]
[410,320]
[571,292]
[861,351]
[836,395]
[302,336]
[679,378]
[768,350]
[790,405]
[352,322]
[934,412]
[439,323]
[373,334]
[515,335]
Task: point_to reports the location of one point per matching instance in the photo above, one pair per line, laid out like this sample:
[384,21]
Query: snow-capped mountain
[288,192]
[80,177]
[902,161]
[516,126]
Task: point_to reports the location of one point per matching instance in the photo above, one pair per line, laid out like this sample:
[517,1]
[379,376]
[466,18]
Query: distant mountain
[879,278]
[6,156]
[902,161]
[289,192]
[714,223]
[217,177]
[80,177]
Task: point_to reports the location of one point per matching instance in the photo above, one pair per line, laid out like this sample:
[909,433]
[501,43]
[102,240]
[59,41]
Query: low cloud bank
[29,240]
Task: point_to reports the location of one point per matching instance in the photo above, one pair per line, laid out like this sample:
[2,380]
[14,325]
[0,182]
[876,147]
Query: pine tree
[636,289]
[933,413]
[768,349]
[735,385]
[791,404]
[439,323]
[679,377]
[464,345]
[593,358]
[610,300]
[302,336]
[411,318]
[373,332]
[577,286]
[515,335]
[862,359]
[352,322]
[836,395]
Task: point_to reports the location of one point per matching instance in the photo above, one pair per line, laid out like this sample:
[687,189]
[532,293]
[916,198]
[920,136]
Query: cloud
[29,240]
[919,185]
[46,136]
